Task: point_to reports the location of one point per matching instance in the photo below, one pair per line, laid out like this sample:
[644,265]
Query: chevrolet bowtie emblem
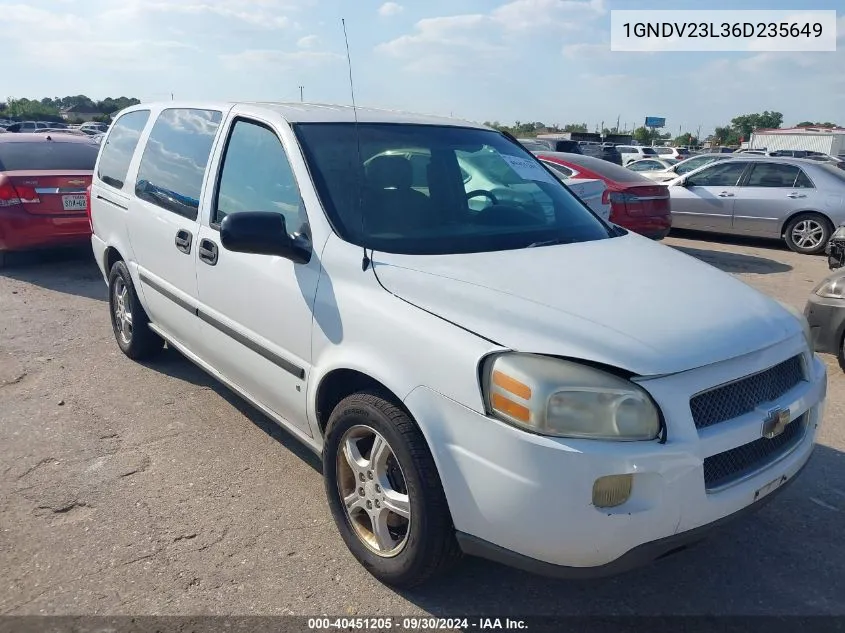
[775,423]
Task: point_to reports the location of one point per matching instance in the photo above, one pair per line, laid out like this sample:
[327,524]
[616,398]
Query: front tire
[384,492]
[128,318]
[808,233]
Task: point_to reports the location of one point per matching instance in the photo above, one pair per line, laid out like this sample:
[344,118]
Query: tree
[646,136]
[745,124]
[726,136]
[686,139]
[575,127]
[811,124]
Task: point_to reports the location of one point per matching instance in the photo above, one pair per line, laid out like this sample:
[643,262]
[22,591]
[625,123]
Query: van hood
[626,302]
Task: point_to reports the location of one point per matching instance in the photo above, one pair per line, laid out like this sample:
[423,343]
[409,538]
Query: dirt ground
[150,489]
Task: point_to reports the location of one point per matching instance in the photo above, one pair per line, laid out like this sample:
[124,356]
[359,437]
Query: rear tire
[128,318]
[808,233]
[419,546]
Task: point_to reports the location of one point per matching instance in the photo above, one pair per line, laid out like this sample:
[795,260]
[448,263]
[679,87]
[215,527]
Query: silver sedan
[794,199]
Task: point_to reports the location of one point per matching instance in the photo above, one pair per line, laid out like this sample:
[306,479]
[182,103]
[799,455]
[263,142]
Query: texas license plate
[769,488]
[75,202]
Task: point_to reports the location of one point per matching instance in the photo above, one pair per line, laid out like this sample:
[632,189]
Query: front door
[705,200]
[256,310]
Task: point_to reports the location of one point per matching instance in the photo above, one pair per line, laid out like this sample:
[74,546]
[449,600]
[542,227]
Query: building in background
[826,140]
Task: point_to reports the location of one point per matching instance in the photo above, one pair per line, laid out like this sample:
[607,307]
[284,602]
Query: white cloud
[390,8]
[309,41]
[265,14]
[277,59]
[460,41]
[523,15]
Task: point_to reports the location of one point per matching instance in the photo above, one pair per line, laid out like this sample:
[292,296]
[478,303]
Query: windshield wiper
[557,240]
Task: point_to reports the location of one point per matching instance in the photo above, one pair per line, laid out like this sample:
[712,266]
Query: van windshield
[423,189]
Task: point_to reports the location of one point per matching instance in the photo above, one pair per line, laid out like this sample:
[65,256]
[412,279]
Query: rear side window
[174,161]
[48,155]
[647,151]
[772,175]
[120,146]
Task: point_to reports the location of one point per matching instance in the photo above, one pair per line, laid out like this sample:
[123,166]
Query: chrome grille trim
[739,464]
[739,397]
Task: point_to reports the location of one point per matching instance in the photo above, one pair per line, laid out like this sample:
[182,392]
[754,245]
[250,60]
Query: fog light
[613,490]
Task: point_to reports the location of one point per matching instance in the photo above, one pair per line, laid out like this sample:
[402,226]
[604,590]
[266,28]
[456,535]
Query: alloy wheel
[122,311]
[373,490]
[808,234]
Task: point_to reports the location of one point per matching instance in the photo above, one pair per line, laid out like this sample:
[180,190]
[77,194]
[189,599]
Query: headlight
[808,333]
[566,399]
[832,288]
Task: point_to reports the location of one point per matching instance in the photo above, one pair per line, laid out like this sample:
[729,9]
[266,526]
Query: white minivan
[484,364]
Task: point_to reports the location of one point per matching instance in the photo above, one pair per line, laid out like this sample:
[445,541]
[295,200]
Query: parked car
[24,126]
[43,181]
[797,200]
[647,165]
[533,144]
[636,203]
[561,145]
[630,153]
[523,382]
[591,191]
[683,167]
[678,153]
[825,312]
[93,127]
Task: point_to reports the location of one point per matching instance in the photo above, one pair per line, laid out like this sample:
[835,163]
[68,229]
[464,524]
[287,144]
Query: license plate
[769,488]
[74,202]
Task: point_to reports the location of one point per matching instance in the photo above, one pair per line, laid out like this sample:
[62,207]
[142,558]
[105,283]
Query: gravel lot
[150,489]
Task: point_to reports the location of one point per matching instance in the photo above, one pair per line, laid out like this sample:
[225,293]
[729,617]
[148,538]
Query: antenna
[301,88]
[365,263]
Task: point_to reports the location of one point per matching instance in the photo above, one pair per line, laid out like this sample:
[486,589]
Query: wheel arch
[110,257]
[341,382]
[795,214]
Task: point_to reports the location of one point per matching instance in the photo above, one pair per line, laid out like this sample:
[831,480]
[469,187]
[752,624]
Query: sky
[482,60]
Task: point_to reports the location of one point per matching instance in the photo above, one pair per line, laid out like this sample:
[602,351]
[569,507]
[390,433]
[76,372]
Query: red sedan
[636,203]
[43,183]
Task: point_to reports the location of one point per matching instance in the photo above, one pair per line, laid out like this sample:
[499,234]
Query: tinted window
[803,182]
[693,163]
[722,175]
[120,146]
[649,151]
[175,158]
[256,176]
[560,169]
[509,202]
[772,175]
[48,155]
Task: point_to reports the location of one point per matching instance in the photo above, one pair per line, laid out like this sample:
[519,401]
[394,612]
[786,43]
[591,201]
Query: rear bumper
[655,227]
[21,231]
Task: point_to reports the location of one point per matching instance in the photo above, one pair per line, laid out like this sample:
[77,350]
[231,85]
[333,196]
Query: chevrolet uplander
[484,364]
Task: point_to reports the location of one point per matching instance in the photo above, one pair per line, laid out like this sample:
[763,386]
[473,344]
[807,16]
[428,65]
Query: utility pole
[301,97]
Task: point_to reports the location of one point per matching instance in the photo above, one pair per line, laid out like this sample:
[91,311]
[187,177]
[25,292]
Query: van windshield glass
[422,189]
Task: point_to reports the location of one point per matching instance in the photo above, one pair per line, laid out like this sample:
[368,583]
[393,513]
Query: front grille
[725,468]
[743,396]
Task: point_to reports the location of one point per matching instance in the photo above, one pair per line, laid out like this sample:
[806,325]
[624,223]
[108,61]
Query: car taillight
[88,207]
[8,195]
[11,196]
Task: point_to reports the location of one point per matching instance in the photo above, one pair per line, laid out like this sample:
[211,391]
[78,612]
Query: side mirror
[263,233]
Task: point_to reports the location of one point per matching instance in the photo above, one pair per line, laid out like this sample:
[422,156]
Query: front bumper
[827,322]
[526,499]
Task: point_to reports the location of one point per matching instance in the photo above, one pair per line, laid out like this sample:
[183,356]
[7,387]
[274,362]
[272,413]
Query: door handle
[725,194]
[183,240]
[796,195]
[208,252]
